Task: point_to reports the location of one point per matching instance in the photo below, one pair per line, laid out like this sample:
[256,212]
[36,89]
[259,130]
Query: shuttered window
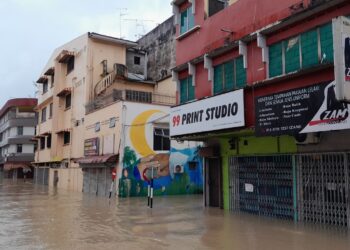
[306,50]
[186,90]
[275,55]
[326,40]
[187,20]
[309,49]
[292,54]
[229,75]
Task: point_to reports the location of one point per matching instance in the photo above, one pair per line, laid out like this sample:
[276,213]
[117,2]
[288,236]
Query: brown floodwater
[36,217]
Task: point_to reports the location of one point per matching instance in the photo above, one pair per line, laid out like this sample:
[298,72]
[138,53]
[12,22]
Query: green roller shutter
[275,60]
[190,89]
[229,75]
[326,37]
[309,48]
[218,79]
[241,74]
[292,54]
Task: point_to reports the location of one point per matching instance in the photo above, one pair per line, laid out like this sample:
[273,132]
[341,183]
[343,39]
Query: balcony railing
[131,96]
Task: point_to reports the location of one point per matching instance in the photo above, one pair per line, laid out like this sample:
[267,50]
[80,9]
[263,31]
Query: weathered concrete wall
[130,62]
[160,47]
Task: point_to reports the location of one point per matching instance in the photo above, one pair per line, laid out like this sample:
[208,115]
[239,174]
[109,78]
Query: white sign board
[214,113]
[341,43]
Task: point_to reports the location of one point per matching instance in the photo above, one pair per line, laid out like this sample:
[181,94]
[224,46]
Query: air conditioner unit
[307,138]
[178,169]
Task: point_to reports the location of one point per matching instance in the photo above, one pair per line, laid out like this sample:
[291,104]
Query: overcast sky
[32,29]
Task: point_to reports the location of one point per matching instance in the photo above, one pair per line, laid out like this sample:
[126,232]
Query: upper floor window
[229,76]
[137,60]
[138,96]
[48,141]
[19,148]
[187,20]
[186,90]
[303,51]
[43,115]
[45,87]
[70,64]
[52,80]
[161,139]
[42,143]
[50,110]
[20,130]
[214,6]
[66,138]
[68,101]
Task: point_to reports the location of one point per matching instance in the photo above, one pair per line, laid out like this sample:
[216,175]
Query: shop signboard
[303,110]
[215,113]
[91,146]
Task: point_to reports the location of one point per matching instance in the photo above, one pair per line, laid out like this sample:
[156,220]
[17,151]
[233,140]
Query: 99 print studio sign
[303,110]
[214,113]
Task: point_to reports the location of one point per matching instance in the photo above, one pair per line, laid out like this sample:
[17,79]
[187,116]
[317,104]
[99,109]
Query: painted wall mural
[178,170]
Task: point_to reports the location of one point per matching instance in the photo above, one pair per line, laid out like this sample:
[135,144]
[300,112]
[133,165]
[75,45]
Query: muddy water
[35,217]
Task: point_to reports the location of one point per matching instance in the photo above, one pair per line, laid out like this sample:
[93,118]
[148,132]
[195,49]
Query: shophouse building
[104,120]
[17,128]
[256,84]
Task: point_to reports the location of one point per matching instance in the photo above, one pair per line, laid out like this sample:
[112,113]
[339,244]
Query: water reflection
[35,217]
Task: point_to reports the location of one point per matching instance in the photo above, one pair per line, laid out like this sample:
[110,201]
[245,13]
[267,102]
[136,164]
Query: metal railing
[131,96]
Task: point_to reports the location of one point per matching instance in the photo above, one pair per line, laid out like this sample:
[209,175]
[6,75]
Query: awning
[110,158]
[50,72]
[64,92]
[61,131]
[42,79]
[64,56]
[13,165]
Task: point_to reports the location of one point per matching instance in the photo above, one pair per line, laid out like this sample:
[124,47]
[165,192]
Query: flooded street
[35,217]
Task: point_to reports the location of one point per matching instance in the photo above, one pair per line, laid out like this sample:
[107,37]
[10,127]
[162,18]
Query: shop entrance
[213,182]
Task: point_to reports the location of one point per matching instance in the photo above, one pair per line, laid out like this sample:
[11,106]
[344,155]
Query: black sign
[289,112]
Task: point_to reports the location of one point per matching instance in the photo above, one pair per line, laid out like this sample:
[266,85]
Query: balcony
[131,96]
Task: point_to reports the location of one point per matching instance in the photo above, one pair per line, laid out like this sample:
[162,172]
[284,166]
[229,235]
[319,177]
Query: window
[229,75]
[19,148]
[42,143]
[137,60]
[97,127]
[306,50]
[215,6]
[138,96]
[52,80]
[66,138]
[112,122]
[1,136]
[20,130]
[161,139]
[43,115]
[48,141]
[186,90]
[104,68]
[70,65]
[187,20]
[68,101]
[45,87]
[50,110]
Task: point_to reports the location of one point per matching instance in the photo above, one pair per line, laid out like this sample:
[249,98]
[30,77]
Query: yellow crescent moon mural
[138,133]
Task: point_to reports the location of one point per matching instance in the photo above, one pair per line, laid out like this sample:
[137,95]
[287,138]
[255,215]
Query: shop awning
[64,92]
[110,158]
[14,165]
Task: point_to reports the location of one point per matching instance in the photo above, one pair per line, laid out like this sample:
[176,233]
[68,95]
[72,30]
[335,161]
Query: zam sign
[215,113]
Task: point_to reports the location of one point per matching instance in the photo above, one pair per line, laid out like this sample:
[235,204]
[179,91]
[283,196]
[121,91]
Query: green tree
[129,158]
